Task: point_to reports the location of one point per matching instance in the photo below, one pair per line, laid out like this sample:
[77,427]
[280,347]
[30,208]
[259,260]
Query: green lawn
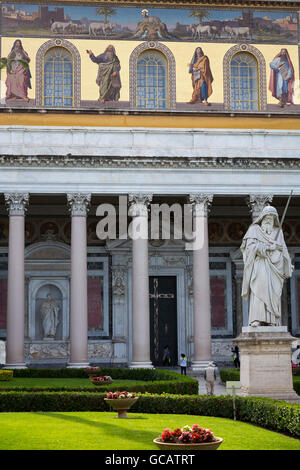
[103,431]
[25,382]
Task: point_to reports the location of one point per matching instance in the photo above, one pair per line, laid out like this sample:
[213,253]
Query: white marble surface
[106,160]
[264,329]
[139,141]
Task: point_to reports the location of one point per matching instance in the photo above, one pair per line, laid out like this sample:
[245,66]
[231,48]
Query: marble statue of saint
[49,314]
[267,264]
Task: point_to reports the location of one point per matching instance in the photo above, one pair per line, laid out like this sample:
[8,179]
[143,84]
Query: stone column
[17,204]
[256,203]
[78,204]
[201,282]
[140,281]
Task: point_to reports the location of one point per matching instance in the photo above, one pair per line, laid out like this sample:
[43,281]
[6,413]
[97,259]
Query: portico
[103,286]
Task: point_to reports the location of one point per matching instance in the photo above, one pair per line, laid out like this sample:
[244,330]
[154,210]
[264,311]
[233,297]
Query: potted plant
[121,402]
[188,438]
[101,380]
[92,371]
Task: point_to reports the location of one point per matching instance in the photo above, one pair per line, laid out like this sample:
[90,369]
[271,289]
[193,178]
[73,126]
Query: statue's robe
[203,84]
[109,85]
[264,274]
[49,314]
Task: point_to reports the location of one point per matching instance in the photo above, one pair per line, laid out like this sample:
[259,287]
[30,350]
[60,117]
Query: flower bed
[121,402]
[102,380]
[120,395]
[187,435]
[188,438]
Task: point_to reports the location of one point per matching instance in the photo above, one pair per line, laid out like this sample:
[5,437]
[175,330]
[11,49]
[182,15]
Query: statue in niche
[267,264]
[49,315]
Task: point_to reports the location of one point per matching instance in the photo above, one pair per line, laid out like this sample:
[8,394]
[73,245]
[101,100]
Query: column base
[199,366]
[141,365]
[77,365]
[15,366]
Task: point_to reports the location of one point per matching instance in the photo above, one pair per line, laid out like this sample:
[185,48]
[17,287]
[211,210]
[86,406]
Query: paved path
[220,388]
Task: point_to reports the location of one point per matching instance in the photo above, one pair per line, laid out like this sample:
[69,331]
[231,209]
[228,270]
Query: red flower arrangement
[116,395]
[102,378]
[187,434]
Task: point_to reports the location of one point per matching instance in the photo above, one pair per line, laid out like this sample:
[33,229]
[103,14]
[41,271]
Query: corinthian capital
[138,204]
[16,203]
[201,203]
[79,203]
[256,203]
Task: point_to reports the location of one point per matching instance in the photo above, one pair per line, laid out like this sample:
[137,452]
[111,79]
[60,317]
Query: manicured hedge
[114,372]
[271,414]
[6,375]
[228,375]
[234,374]
[154,381]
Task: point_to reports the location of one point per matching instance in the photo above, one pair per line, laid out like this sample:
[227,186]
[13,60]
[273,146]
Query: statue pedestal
[265,357]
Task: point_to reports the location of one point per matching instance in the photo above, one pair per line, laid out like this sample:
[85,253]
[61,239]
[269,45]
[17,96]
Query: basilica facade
[121,110]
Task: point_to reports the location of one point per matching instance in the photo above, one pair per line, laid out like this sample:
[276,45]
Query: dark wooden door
[163,318]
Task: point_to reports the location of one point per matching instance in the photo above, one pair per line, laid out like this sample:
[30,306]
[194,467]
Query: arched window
[152,80]
[244,79]
[152,74]
[244,82]
[58,80]
[58,86]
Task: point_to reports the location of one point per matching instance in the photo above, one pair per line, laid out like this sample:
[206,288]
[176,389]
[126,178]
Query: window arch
[58,74]
[152,77]
[244,82]
[244,79]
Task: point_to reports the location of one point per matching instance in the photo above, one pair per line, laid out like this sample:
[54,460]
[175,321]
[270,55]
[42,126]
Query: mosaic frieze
[149,23]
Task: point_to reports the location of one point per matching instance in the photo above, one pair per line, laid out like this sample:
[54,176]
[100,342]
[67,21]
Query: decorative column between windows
[78,204]
[17,204]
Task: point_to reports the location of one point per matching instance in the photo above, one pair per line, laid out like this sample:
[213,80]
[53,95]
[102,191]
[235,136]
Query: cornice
[178,3]
[9,161]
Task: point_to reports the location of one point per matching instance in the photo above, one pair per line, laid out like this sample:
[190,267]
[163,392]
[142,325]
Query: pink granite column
[78,204]
[140,281]
[16,282]
[201,282]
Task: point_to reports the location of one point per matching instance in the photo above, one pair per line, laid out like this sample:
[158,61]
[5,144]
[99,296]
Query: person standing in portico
[210,377]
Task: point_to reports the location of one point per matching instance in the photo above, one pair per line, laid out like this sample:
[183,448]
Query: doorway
[163,318]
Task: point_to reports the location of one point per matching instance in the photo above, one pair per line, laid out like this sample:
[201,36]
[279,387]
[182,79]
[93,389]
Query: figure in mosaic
[202,78]
[282,78]
[18,72]
[108,78]
[267,264]
[49,315]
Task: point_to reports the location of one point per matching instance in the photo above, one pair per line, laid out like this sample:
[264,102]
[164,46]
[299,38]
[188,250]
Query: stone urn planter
[188,438]
[121,405]
[93,371]
[102,380]
[213,445]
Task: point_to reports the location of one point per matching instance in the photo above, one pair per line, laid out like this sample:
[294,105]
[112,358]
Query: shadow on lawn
[131,434]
